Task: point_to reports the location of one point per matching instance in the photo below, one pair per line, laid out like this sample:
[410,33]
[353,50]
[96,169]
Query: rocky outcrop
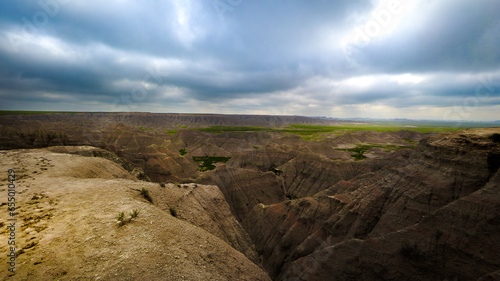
[245,188]
[456,242]
[424,217]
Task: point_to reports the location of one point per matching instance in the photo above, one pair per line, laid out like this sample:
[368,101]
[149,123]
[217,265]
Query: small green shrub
[183,152]
[145,193]
[134,214]
[121,217]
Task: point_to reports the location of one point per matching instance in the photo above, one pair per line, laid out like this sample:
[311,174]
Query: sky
[349,58]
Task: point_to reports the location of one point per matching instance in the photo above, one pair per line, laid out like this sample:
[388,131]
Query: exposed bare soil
[66,226]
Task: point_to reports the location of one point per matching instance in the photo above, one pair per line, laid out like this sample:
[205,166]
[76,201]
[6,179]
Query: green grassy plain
[315,132]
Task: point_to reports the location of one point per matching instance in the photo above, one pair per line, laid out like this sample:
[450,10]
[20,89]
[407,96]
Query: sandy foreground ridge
[66,227]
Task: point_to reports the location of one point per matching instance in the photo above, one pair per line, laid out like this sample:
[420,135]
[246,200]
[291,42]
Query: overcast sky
[414,59]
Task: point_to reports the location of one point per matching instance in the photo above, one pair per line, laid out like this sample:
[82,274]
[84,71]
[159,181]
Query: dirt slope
[67,229]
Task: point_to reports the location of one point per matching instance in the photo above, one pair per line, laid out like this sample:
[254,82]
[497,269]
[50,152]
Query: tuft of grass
[145,194]
[134,214]
[121,217]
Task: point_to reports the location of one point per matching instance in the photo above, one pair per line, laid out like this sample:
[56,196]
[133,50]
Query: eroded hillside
[66,225]
[342,205]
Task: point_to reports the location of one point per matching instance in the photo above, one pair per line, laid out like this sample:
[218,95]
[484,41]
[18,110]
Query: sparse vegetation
[146,195]
[121,217]
[359,152]
[206,163]
[170,132]
[134,214]
[411,141]
[143,129]
[183,151]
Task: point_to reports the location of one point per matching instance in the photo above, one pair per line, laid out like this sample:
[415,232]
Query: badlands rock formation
[431,216]
[418,207]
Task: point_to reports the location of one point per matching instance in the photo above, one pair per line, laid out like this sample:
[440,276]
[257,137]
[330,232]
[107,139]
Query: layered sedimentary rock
[432,215]
[309,210]
[160,120]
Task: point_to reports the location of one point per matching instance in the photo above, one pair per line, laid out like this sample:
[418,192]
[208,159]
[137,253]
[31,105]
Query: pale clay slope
[67,224]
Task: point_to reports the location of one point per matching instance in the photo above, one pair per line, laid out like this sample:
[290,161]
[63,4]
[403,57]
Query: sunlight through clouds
[382,21]
[391,58]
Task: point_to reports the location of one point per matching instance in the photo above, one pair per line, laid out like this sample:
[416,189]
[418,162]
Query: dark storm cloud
[244,54]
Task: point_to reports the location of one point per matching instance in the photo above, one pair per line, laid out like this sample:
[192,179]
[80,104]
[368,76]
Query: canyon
[250,198]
